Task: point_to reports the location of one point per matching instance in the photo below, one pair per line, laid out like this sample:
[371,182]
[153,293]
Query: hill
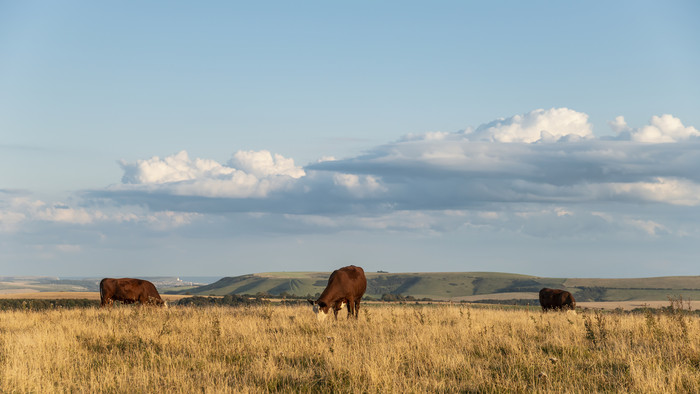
[457,286]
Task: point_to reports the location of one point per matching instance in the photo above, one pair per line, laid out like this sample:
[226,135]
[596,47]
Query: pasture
[391,348]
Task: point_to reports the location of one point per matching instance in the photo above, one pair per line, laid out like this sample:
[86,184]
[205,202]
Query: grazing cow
[346,286]
[556,299]
[128,291]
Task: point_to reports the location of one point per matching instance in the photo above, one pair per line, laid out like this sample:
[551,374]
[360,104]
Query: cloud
[451,174]
[18,211]
[662,129]
[248,174]
[664,190]
[650,227]
[540,174]
[541,157]
[264,164]
[175,168]
[538,125]
[359,186]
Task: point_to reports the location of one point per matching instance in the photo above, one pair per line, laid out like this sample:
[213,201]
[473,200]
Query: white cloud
[359,186]
[248,174]
[65,214]
[662,129]
[174,168]
[619,125]
[264,164]
[429,136]
[663,190]
[538,125]
[20,211]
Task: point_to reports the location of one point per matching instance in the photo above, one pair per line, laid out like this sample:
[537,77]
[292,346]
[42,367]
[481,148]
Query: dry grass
[389,349]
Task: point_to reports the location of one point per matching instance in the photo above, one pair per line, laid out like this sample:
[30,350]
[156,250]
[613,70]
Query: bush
[227,300]
[38,305]
[399,298]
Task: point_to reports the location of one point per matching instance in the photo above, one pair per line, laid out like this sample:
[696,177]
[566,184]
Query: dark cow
[556,299]
[128,291]
[346,285]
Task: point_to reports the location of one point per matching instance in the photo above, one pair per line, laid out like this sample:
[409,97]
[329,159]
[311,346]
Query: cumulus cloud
[662,129]
[619,125]
[175,168]
[538,125]
[248,174]
[264,164]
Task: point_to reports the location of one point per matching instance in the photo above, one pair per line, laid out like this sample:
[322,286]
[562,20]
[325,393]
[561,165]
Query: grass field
[405,348]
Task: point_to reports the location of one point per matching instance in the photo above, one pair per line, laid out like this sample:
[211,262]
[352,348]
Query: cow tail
[102,291]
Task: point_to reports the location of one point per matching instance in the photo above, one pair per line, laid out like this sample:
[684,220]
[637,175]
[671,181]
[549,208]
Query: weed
[216,327]
[596,329]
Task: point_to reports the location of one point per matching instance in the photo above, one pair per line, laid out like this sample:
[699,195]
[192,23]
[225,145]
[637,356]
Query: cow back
[556,299]
[346,282]
[128,290]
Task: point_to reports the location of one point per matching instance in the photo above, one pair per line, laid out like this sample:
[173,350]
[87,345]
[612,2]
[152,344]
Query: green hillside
[461,286]
[271,283]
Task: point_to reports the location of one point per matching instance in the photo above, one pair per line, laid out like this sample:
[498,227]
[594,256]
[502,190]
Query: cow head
[157,301]
[322,310]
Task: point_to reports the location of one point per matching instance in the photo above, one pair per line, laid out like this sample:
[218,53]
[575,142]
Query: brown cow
[556,299]
[346,286]
[128,291]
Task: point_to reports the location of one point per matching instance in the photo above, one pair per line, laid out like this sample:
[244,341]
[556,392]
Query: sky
[213,138]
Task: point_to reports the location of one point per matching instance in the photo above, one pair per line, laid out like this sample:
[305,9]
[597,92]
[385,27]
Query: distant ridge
[457,286]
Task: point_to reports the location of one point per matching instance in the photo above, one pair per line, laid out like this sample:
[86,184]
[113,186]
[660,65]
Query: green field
[458,286]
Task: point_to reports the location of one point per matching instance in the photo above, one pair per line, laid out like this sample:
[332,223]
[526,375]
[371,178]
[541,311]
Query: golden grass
[389,349]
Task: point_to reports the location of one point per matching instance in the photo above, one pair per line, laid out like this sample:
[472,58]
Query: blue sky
[223,138]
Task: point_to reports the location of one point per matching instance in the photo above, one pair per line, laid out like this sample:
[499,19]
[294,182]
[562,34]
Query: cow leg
[351,308]
[357,309]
